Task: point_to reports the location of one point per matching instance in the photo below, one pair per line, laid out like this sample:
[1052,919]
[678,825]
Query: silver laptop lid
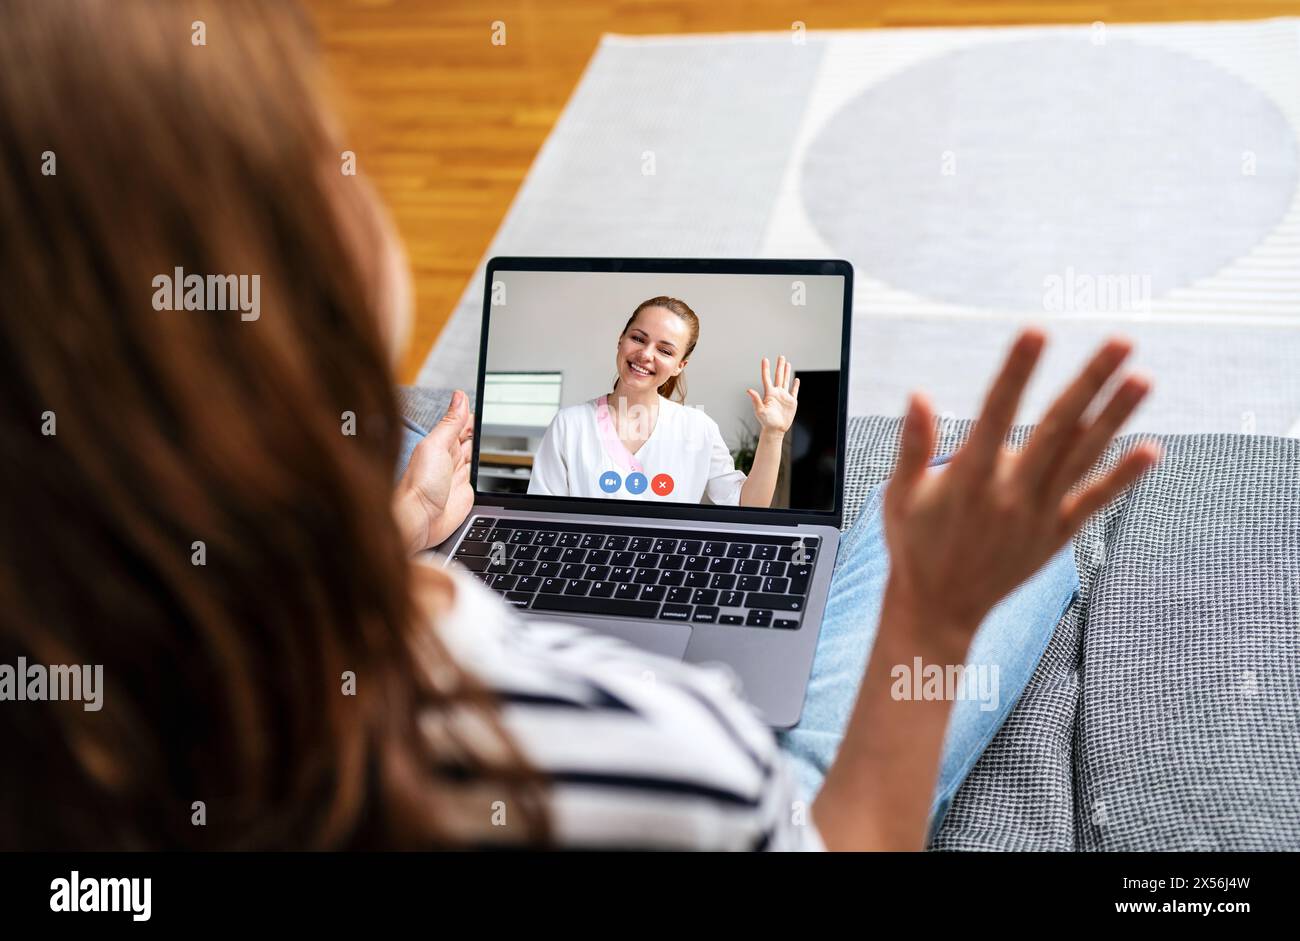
[571,346]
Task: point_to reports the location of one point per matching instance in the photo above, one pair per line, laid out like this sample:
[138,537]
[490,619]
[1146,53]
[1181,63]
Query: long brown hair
[676,385]
[182,501]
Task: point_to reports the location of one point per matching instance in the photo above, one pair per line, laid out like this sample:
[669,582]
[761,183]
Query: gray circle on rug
[977,176]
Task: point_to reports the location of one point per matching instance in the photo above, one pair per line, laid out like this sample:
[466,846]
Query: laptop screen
[695,387]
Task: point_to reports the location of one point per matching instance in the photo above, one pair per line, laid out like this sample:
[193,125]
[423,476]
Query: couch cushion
[1188,733]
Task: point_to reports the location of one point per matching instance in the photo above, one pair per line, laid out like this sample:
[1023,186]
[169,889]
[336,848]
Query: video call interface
[699,388]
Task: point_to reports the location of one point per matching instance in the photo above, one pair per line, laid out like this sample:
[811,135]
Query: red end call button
[662,485]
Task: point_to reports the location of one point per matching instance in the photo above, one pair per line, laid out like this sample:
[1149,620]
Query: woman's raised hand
[434,495]
[962,538]
[775,408]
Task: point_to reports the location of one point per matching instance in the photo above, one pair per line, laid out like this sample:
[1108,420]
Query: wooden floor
[447,123]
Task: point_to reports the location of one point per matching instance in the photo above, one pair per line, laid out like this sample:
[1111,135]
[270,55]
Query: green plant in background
[744,454]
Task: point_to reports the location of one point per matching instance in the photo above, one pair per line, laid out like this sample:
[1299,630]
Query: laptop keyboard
[749,580]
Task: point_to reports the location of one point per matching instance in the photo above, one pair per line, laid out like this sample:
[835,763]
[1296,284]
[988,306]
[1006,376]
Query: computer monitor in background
[518,407]
[520,404]
[812,439]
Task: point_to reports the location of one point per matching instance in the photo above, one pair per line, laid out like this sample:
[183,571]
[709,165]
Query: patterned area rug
[1094,179]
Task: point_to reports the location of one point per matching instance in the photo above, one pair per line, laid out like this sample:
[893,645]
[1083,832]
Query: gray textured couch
[1165,714]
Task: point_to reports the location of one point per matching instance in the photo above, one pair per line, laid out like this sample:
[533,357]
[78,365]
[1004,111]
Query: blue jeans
[1012,638]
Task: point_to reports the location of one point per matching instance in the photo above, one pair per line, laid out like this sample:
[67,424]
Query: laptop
[710,537]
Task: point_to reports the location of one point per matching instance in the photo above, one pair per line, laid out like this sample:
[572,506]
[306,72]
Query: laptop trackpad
[662,637]
[668,638]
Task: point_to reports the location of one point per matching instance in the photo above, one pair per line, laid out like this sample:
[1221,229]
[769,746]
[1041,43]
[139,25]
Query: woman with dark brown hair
[201,503]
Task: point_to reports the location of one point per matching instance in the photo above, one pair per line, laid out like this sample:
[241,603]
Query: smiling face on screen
[652,349]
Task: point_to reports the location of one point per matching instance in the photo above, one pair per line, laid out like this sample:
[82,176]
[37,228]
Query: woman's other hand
[775,408]
[434,495]
[962,539]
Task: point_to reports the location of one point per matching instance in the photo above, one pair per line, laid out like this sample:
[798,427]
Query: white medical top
[581,448]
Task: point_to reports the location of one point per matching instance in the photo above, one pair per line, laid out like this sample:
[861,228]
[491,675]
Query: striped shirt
[640,751]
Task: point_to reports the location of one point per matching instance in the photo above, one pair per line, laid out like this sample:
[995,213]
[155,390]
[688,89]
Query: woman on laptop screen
[641,441]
